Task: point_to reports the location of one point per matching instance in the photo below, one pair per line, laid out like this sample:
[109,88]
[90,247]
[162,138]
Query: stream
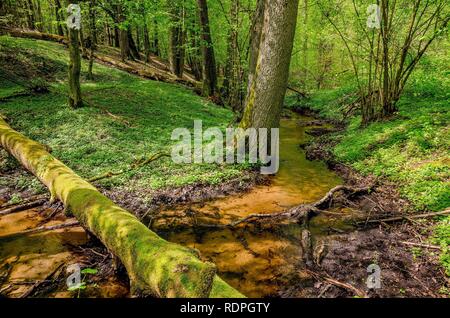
[257,263]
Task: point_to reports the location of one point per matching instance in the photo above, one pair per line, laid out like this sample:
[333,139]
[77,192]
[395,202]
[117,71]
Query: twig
[403,217]
[133,166]
[43,229]
[22,207]
[433,247]
[337,283]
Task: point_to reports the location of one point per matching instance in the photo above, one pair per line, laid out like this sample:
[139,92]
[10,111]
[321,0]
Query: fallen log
[30,34]
[145,71]
[155,267]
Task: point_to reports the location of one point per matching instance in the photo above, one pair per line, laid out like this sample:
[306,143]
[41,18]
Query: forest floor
[108,137]
[409,155]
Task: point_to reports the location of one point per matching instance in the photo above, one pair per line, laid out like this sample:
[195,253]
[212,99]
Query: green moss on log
[155,267]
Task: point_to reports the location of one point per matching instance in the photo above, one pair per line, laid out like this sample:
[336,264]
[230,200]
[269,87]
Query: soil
[405,271]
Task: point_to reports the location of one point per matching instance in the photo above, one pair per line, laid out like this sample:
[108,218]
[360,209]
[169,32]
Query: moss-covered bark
[155,266]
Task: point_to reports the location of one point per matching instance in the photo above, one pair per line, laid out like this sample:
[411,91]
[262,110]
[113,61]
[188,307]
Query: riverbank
[409,158]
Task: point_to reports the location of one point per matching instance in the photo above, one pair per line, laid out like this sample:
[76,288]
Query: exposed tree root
[303,212]
[407,217]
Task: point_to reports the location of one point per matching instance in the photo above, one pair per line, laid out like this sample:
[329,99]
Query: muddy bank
[406,270]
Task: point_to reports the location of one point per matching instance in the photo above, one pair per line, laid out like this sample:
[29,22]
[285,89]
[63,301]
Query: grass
[412,150]
[90,140]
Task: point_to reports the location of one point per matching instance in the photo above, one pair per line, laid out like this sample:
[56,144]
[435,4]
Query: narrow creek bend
[257,263]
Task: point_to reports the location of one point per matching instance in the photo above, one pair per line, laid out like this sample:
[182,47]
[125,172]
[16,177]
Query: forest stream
[256,263]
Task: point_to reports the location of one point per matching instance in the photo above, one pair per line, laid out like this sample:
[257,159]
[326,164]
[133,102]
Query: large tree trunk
[209,59]
[155,266]
[255,41]
[232,89]
[124,42]
[75,100]
[268,86]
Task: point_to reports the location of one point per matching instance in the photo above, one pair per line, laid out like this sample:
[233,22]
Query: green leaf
[89,271]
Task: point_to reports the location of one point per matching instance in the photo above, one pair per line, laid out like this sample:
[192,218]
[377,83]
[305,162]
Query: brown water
[257,263]
[28,259]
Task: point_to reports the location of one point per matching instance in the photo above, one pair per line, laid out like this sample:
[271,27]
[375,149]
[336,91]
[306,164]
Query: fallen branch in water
[41,229]
[23,207]
[134,166]
[304,211]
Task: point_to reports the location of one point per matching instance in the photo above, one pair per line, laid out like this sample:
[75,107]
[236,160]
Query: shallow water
[257,263]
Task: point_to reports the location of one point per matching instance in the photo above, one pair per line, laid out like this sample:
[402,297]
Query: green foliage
[412,149]
[92,142]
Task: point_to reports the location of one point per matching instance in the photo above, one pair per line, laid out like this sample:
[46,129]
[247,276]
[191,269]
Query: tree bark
[155,267]
[255,40]
[93,37]
[177,36]
[75,100]
[58,18]
[269,82]
[209,71]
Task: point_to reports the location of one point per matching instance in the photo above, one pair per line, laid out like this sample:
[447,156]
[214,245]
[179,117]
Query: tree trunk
[30,14]
[75,100]
[93,37]
[255,40]
[305,45]
[209,61]
[155,267]
[116,37]
[134,52]
[176,38]
[124,41]
[147,48]
[58,18]
[156,49]
[268,86]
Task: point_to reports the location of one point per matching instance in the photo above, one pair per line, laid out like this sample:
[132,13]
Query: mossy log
[155,267]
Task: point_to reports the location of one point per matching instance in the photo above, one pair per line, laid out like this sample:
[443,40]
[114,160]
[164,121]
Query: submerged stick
[22,207]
